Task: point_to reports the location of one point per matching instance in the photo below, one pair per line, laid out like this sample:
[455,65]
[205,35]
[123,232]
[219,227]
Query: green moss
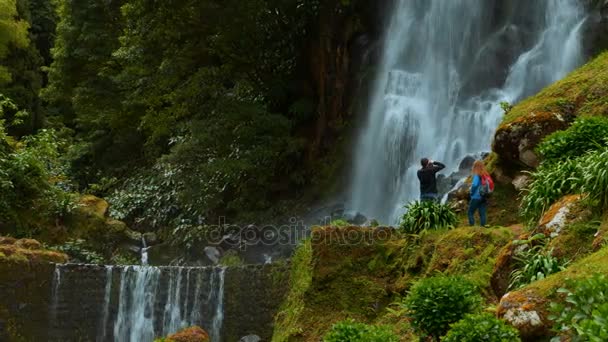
[471,253]
[575,241]
[231,259]
[583,92]
[288,319]
[354,272]
[583,268]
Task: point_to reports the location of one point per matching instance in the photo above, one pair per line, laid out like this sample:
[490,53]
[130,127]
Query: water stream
[446,67]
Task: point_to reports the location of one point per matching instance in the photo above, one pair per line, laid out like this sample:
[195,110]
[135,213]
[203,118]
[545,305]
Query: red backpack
[487,186]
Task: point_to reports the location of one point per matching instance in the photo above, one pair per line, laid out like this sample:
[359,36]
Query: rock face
[344,40]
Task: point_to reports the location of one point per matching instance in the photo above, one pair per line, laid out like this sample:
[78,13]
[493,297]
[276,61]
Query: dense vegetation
[208,103]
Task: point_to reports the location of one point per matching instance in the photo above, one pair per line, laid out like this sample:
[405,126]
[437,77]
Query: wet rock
[213,253]
[250,338]
[151,238]
[355,217]
[466,164]
[460,193]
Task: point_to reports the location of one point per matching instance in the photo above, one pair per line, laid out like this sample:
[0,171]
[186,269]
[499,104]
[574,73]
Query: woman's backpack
[487,187]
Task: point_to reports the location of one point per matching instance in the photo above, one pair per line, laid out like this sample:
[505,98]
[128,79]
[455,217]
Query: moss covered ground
[355,272]
[583,92]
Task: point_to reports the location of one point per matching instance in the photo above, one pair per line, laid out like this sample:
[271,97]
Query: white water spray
[446,67]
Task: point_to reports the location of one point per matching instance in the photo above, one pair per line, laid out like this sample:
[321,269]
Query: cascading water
[446,67]
[150,302]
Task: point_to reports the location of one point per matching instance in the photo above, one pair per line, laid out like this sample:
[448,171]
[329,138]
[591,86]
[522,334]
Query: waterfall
[106,305]
[445,69]
[144,251]
[218,317]
[150,302]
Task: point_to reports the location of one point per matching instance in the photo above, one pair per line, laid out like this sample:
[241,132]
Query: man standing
[428,182]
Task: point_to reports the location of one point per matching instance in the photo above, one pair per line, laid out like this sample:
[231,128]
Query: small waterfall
[218,317]
[144,251]
[137,303]
[55,295]
[446,67]
[106,305]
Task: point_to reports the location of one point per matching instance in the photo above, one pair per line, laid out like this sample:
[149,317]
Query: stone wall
[72,302]
[24,297]
[253,296]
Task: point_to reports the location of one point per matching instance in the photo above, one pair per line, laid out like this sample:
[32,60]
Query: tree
[12,32]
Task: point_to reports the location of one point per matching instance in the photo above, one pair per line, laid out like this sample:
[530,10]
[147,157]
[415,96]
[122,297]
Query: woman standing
[481,178]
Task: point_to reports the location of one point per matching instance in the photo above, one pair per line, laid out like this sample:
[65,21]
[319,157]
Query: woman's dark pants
[478,205]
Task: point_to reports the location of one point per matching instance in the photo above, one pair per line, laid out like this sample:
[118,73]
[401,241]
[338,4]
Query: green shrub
[79,252]
[583,316]
[231,258]
[427,215]
[33,184]
[481,328]
[532,264]
[339,223]
[435,303]
[586,134]
[351,331]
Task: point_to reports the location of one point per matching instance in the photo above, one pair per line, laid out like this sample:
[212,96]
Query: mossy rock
[527,308]
[29,251]
[582,93]
[94,205]
[192,334]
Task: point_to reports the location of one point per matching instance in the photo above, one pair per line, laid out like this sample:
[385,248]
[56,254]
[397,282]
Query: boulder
[527,312]
[521,181]
[516,141]
[564,212]
[213,253]
[466,164]
[250,338]
[192,334]
[94,205]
